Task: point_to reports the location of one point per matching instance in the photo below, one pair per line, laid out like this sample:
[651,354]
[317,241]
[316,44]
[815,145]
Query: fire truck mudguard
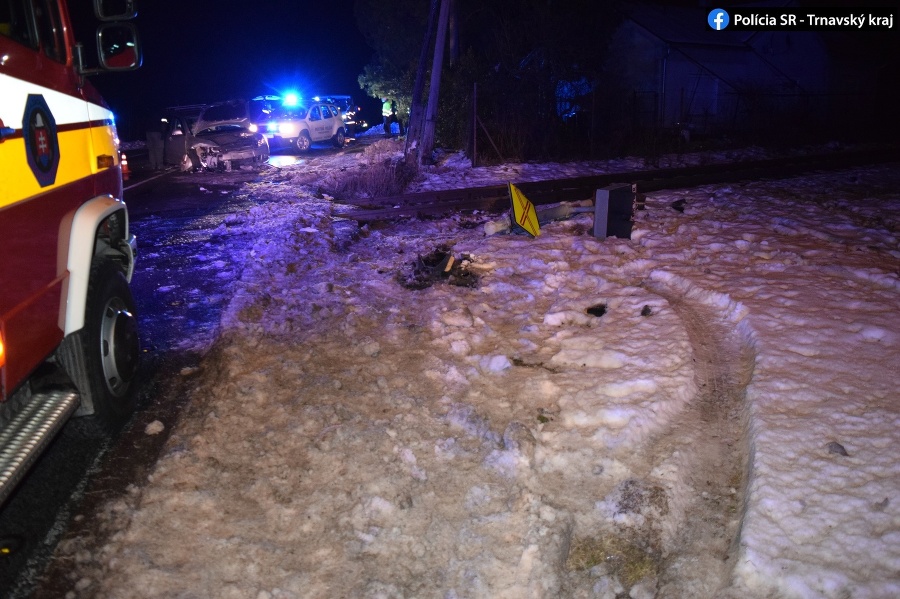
[110,215]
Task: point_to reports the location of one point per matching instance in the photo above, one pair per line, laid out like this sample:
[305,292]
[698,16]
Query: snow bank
[552,431]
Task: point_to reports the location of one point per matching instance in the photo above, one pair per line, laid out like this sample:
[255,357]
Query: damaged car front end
[225,138]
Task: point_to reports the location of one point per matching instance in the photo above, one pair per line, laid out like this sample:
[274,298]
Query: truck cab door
[43,109]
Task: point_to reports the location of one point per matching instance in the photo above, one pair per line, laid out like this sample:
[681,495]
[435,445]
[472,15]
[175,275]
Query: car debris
[436,266]
[545,214]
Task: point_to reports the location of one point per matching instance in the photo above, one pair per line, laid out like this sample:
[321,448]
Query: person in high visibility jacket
[389,115]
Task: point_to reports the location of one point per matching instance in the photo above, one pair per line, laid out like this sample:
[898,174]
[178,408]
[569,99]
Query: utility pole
[475,124]
[426,145]
[416,111]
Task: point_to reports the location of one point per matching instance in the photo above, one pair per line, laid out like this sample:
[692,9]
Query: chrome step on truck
[27,431]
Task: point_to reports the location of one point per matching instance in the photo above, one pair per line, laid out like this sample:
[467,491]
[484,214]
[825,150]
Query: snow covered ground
[706,409]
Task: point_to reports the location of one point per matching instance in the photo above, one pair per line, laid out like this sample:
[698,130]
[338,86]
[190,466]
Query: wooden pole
[416,111]
[475,125]
[426,147]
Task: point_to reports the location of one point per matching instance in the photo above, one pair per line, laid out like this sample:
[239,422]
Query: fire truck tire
[102,358]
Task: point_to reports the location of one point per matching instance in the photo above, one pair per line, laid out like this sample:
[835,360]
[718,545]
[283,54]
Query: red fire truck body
[66,253]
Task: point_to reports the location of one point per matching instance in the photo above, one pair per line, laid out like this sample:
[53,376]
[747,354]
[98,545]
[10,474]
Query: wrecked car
[223,137]
[177,125]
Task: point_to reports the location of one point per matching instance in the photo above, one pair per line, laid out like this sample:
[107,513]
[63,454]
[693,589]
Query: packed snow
[708,408]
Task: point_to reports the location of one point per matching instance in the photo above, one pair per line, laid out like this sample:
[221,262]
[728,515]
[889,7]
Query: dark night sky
[197,52]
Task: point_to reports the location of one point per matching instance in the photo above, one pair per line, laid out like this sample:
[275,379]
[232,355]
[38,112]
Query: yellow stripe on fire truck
[58,139]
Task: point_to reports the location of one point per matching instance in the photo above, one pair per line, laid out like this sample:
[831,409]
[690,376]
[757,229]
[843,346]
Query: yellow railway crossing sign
[523,212]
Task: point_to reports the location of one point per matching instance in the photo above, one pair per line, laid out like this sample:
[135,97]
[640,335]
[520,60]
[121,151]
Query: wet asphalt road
[183,273]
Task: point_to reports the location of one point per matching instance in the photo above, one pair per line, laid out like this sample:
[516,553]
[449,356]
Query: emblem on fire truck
[41,142]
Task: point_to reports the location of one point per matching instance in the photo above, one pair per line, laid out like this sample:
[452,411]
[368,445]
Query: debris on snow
[438,265]
[154,428]
[837,448]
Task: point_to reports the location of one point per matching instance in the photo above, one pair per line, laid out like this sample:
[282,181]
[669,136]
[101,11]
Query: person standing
[156,147]
[389,115]
[386,115]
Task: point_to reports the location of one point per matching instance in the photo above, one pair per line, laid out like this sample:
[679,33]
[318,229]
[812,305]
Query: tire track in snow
[707,446]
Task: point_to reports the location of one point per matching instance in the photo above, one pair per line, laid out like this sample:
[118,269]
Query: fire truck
[68,332]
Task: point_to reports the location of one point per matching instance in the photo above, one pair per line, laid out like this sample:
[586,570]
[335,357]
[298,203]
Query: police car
[297,127]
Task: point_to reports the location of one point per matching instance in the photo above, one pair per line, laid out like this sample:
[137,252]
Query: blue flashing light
[290,99]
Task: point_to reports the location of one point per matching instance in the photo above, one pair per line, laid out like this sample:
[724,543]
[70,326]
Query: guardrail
[496,197]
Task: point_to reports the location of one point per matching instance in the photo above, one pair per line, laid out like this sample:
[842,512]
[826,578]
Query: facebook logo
[718,19]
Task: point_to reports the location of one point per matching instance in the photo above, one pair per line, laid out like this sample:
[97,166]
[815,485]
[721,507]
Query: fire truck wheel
[106,368]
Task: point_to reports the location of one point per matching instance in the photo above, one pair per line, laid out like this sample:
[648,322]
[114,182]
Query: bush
[383,173]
